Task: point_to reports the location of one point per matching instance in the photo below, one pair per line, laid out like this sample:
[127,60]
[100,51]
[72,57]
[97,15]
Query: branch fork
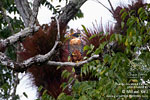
[30,18]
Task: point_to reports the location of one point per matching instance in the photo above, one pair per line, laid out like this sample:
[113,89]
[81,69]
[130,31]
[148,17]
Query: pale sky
[93,11]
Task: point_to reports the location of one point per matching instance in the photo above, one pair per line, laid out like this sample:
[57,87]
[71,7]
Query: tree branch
[33,17]
[29,62]
[24,10]
[29,16]
[70,10]
[72,64]
[66,15]
[16,37]
[21,67]
[39,59]
[111,6]
[104,6]
[58,29]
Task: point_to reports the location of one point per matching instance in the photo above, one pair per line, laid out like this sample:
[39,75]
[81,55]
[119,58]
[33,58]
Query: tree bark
[17,37]
[29,17]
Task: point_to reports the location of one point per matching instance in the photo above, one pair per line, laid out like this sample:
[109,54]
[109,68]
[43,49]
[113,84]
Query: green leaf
[102,45]
[65,74]
[89,52]
[122,25]
[91,47]
[120,38]
[86,48]
[61,96]
[102,72]
[83,98]
[84,70]
[98,51]
[85,29]
[45,91]
[123,16]
[112,38]
[40,88]
[64,85]
[93,36]
[79,14]
[122,10]
[68,97]
[116,37]
[106,58]
[131,21]
[140,10]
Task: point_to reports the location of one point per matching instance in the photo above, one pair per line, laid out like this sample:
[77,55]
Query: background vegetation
[124,58]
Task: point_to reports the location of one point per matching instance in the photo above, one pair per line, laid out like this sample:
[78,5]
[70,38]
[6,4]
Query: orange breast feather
[75,41]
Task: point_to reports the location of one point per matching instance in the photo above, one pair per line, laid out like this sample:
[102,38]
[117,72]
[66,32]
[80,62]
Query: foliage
[117,70]
[112,71]
[57,9]
[10,25]
[6,83]
[8,77]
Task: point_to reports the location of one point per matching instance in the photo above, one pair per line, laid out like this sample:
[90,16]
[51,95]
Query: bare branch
[26,7]
[70,10]
[33,17]
[29,62]
[66,15]
[29,15]
[58,29]
[18,36]
[104,6]
[148,48]
[72,64]
[44,58]
[24,10]
[21,67]
[111,6]
[39,59]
